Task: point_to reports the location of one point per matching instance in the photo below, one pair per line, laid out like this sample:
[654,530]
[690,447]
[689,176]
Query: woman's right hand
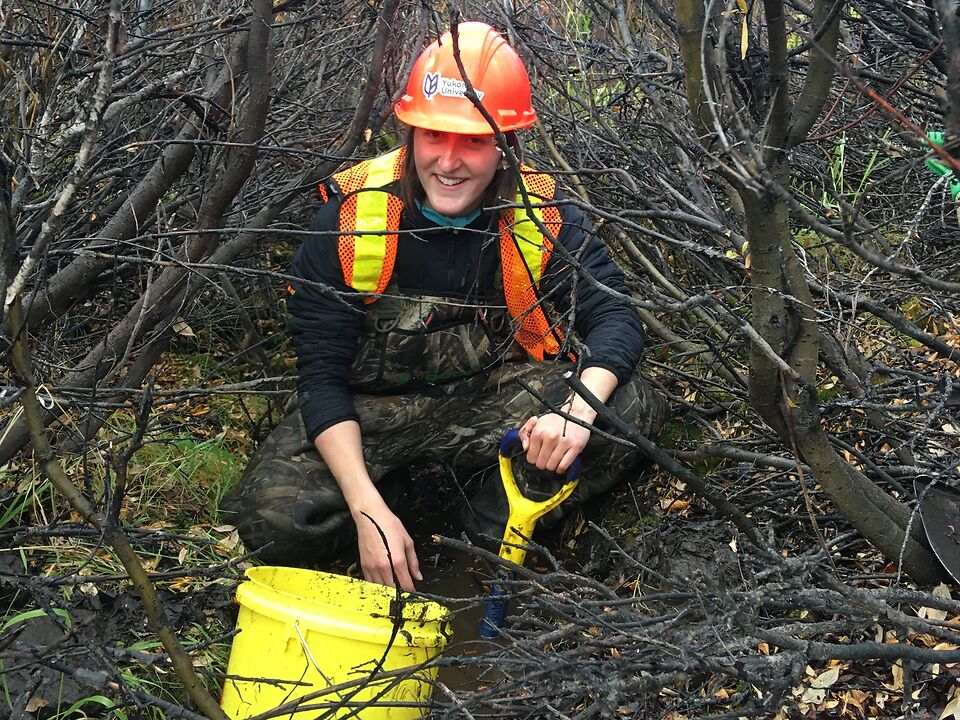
[374,560]
[341,448]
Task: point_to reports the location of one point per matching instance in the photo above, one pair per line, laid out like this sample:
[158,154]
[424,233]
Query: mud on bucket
[302,631]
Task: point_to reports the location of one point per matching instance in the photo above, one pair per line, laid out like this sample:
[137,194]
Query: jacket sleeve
[325,322]
[609,327]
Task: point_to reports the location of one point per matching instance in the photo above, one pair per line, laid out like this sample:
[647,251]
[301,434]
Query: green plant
[676,434]
[22,498]
[838,173]
[180,472]
[578,20]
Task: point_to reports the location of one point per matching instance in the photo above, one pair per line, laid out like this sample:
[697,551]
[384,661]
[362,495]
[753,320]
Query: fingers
[526,430]
[554,443]
[400,565]
[397,573]
[405,566]
[547,444]
[402,573]
[380,570]
[567,460]
[550,457]
[413,563]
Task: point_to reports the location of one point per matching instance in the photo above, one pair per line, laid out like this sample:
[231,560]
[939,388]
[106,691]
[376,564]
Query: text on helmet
[434,83]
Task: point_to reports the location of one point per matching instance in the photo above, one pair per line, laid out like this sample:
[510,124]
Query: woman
[431,306]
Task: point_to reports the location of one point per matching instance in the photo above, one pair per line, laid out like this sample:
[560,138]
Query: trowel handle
[511,441]
[494,613]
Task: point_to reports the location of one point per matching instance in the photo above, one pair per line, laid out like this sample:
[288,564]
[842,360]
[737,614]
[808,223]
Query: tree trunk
[783,315]
[783,368]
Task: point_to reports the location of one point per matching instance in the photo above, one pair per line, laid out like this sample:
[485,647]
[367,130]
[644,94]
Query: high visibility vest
[370,221]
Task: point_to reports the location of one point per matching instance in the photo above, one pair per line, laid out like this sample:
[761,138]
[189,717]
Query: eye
[480,140]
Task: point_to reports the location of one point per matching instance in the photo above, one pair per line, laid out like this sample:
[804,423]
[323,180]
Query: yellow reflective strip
[529,238]
[370,249]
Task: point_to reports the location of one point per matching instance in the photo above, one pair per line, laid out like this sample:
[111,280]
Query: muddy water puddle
[455,580]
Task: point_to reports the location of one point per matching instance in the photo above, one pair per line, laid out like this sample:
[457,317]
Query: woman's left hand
[553,442]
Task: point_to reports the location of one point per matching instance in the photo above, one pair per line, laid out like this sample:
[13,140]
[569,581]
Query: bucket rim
[425,623]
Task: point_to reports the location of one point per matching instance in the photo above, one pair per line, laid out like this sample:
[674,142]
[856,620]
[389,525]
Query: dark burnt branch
[698,484]
[173,161]
[91,127]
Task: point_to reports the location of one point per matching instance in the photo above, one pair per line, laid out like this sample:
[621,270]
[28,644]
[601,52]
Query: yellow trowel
[524,514]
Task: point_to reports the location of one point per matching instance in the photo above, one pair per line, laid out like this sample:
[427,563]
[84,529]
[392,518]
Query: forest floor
[74,640]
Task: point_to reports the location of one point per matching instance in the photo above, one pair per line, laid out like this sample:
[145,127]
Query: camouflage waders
[287,496]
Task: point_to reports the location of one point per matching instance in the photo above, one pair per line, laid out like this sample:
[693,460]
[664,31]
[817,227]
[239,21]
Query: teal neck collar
[446,221]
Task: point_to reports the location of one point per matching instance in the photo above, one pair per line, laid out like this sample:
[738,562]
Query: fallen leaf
[856,698]
[952,709]
[229,542]
[897,671]
[673,506]
[940,591]
[826,679]
[35,703]
[180,327]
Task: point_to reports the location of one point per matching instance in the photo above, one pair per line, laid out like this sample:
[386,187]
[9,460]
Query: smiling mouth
[449,182]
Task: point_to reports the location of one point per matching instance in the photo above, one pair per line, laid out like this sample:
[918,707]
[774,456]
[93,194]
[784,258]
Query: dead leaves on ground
[845,689]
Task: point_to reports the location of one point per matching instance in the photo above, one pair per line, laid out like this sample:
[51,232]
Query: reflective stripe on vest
[373,218]
[369,221]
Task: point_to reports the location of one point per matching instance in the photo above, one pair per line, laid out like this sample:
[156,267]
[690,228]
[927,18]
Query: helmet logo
[431,83]
[446,86]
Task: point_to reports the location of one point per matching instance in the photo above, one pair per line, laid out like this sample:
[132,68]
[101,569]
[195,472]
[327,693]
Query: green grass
[175,483]
[10,623]
[179,475]
[26,494]
[842,185]
[78,709]
[676,434]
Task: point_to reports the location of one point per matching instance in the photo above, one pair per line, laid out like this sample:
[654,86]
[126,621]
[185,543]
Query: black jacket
[327,315]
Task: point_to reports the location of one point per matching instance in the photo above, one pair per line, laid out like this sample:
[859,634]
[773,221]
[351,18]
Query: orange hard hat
[436,94]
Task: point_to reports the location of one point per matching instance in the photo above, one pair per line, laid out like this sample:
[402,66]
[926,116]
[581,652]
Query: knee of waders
[291,512]
[639,404]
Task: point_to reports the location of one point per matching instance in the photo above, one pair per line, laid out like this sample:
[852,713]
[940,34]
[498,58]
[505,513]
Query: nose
[449,154]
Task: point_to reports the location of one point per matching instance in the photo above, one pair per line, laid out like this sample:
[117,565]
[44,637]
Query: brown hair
[501,190]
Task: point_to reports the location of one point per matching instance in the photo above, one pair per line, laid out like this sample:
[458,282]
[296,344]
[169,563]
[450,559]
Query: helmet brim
[457,123]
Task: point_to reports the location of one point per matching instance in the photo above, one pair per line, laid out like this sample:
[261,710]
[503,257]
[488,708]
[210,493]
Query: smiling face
[454,170]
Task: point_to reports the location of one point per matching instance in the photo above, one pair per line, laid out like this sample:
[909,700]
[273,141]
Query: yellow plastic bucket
[302,631]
